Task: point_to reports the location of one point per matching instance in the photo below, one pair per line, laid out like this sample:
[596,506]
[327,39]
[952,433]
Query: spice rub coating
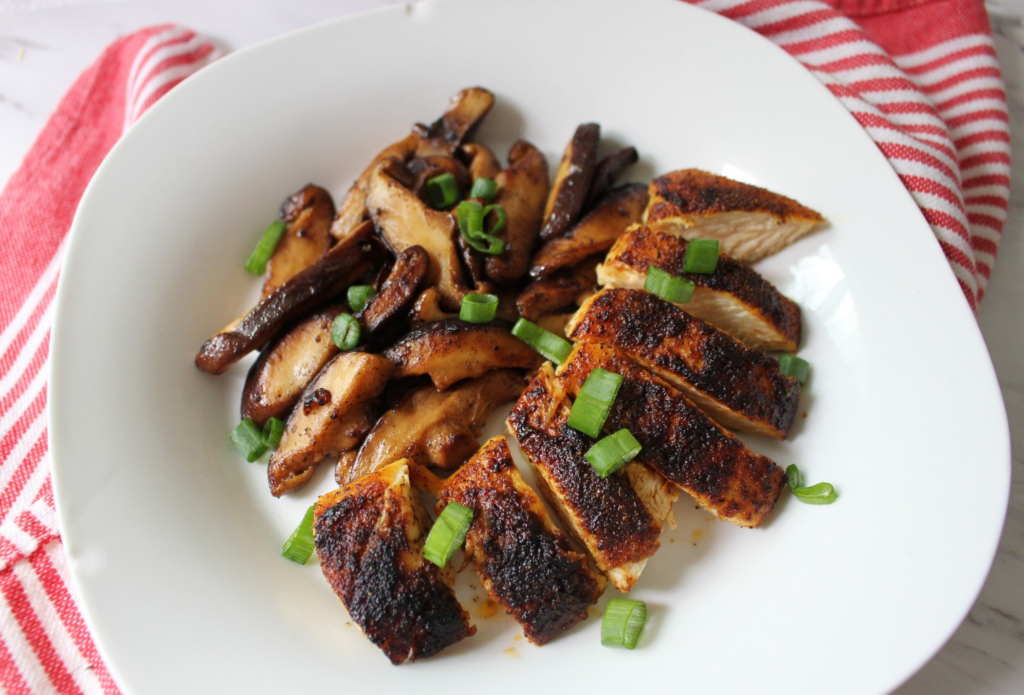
[735,297]
[605,514]
[679,441]
[525,564]
[741,388]
[369,536]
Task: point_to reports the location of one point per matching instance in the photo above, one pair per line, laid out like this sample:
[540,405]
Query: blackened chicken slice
[679,441]
[618,527]
[525,563]
[741,388]
[369,537]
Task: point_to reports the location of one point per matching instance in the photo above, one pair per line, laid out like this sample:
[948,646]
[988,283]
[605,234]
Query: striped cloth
[920,75]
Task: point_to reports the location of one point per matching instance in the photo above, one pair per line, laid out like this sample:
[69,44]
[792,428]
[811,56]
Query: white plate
[174,540]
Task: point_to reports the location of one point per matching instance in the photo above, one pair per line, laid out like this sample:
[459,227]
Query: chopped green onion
[442,191]
[358,296]
[791,365]
[484,188]
[594,402]
[345,331]
[623,622]
[257,262]
[822,493]
[478,307]
[545,342]
[701,256]
[248,439]
[502,217]
[299,545]
[613,452]
[447,534]
[470,215]
[273,429]
[668,287]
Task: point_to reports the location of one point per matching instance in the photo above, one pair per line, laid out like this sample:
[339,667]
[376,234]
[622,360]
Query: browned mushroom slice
[608,169]
[482,163]
[431,427]
[557,293]
[679,441]
[572,182]
[333,415]
[397,293]
[465,110]
[452,350]
[555,323]
[424,169]
[427,308]
[617,525]
[404,220]
[595,233]
[526,565]
[522,190]
[285,368]
[308,214]
[310,289]
[369,536]
[750,222]
[734,298]
[741,388]
[353,210]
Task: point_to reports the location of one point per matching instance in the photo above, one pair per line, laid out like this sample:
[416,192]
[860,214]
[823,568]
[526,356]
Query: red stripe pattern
[925,84]
[44,643]
[923,81]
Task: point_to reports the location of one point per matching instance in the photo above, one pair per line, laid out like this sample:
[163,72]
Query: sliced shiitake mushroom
[333,415]
[397,293]
[572,182]
[426,168]
[558,292]
[441,138]
[404,220]
[431,427]
[595,233]
[427,308]
[608,169]
[310,289]
[480,160]
[285,368]
[308,214]
[452,350]
[522,191]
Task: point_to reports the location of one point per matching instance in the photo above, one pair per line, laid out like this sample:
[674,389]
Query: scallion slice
[545,342]
[501,215]
[471,215]
[667,286]
[345,332]
[442,191]
[822,493]
[447,534]
[594,402]
[485,189]
[613,452]
[791,365]
[358,296]
[701,256]
[623,622]
[478,307]
[248,439]
[257,262]
[299,545]
[273,429]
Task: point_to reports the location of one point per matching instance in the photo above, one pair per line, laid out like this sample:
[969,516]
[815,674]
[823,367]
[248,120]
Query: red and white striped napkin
[920,75]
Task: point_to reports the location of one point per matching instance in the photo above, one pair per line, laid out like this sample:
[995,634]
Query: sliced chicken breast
[526,565]
[679,441]
[369,537]
[751,222]
[615,524]
[740,388]
[734,298]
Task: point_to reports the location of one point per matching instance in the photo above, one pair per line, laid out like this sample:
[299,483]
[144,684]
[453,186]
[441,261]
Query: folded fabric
[921,77]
